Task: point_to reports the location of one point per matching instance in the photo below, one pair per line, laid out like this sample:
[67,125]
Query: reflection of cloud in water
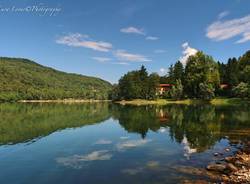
[124,137]
[133,171]
[153,164]
[162,130]
[132,144]
[137,170]
[103,141]
[76,161]
[187,149]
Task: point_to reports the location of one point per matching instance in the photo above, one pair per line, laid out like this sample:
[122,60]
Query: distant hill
[22,79]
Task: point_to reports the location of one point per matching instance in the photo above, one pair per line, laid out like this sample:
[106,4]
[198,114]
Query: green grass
[216,101]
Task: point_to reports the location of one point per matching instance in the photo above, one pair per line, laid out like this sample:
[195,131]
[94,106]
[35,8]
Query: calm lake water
[105,143]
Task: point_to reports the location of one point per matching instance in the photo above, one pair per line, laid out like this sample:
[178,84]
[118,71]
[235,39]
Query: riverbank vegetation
[22,79]
[200,78]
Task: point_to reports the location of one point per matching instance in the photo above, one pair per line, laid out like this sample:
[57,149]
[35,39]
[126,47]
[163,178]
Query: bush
[242,90]
[206,91]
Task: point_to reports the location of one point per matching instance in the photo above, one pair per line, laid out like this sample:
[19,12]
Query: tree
[153,82]
[177,90]
[200,68]
[206,91]
[241,90]
[232,72]
[138,85]
[178,71]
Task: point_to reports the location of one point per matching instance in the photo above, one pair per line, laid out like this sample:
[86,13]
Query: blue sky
[108,38]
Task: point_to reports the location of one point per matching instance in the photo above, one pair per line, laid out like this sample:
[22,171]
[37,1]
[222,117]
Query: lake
[107,143]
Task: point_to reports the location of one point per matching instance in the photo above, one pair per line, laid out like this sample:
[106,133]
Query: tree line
[200,78]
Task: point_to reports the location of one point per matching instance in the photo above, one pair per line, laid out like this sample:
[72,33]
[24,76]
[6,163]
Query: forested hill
[22,79]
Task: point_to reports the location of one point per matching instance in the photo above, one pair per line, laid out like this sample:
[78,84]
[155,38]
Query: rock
[231,167]
[227,149]
[216,154]
[238,163]
[229,159]
[216,167]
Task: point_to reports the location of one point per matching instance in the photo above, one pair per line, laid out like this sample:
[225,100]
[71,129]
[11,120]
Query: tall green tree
[178,71]
[200,68]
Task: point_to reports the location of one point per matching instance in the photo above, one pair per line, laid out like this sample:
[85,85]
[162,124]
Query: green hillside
[22,79]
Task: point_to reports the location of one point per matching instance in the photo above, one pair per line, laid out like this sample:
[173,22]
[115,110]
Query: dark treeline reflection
[201,125]
[22,122]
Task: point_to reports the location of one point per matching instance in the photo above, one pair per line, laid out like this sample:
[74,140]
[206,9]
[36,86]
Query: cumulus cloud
[103,141]
[132,30]
[101,59]
[79,40]
[125,56]
[159,51]
[152,38]
[132,144]
[223,14]
[76,161]
[187,51]
[223,30]
[163,71]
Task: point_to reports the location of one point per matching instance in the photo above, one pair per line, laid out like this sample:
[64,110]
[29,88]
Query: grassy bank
[216,101]
[63,101]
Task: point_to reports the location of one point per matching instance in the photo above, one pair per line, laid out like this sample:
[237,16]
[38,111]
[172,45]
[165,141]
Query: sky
[108,38]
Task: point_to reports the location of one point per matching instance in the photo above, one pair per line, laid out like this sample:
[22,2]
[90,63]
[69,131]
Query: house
[162,88]
[224,86]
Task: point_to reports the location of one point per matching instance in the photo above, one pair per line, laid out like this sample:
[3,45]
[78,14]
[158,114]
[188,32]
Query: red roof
[165,85]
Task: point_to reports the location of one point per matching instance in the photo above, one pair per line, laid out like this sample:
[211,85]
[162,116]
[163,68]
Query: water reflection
[197,128]
[24,122]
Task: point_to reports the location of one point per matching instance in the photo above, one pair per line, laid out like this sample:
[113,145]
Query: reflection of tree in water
[140,119]
[201,126]
[198,123]
[23,122]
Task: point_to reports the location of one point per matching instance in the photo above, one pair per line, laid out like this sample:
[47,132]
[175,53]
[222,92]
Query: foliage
[24,79]
[242,90]
[177,90]
[138,85]
[206,91]
[200,68]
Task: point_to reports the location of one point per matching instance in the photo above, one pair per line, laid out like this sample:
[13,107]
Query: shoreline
[63,101]
[216,101]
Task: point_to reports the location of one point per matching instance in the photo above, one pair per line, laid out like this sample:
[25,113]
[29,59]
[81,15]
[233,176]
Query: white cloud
[120,63]
[125,56]
[101,59]
[223,14]
[76,161]
[103,141]
[163,71]
[132,144]
[79,40]
[152,38]
[132,30]
[187,51]
[159,51]
[223,30]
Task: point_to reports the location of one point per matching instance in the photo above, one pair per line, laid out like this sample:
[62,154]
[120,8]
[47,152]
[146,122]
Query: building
[162,88]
